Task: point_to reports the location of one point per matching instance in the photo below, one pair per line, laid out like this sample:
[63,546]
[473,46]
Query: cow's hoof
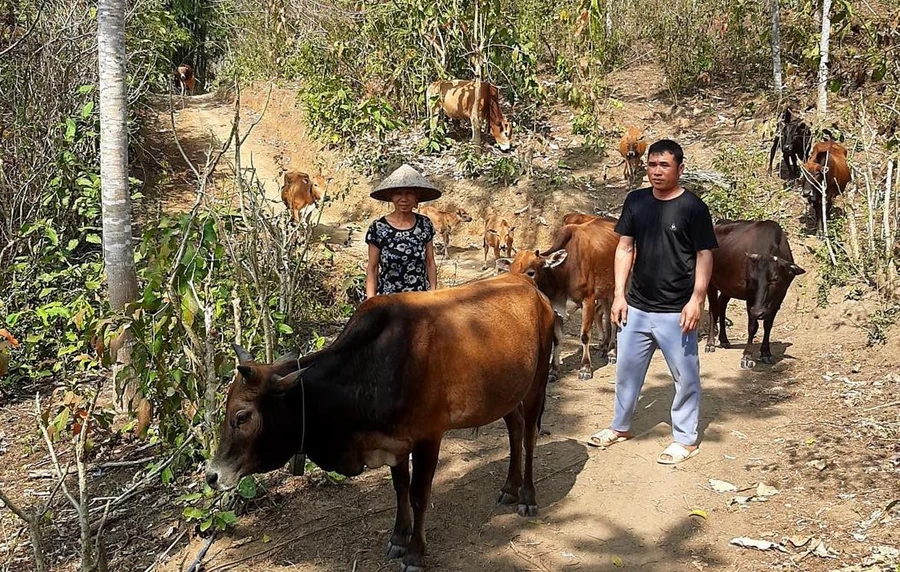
[404,567]
[767,359]
[507,498]
[585,373]
[553,377]
[612,359]
[710,349]
[396,550]
[747,363]
[528,510]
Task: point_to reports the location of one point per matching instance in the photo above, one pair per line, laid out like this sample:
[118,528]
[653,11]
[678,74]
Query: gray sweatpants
[642,333]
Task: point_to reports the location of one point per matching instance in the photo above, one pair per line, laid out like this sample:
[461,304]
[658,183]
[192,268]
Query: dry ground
[824,400]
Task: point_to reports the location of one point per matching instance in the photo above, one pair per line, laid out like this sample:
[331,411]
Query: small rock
[856,368]
[818,464]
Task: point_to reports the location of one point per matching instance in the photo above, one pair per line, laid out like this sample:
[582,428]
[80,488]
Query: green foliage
[879,324]
[749,196]
[588,124]
[205,511]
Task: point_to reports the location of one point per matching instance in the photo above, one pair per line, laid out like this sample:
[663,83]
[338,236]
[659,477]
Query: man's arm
[690,315]
[623,262]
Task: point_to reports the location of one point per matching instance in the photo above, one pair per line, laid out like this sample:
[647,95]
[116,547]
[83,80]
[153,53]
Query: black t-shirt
[667,236]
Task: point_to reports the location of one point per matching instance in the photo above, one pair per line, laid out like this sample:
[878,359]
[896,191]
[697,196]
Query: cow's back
[835,155]
[297,190]
[468,352]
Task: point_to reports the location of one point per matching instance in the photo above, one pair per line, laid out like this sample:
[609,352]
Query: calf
[444,222]
[184,79]
[498,235]
[828,173]
[754,263]
[794,138]
[302,195]
[632,148]
[405,370]
[578,267]
[457,98]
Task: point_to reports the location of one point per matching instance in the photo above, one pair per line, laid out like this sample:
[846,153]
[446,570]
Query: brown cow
[498,235]
[405,370]
[632,148]
[581,218]
[184,79]
[753,263]
[578,267]
[302,195]
[444,222]
[827,168]
[456,97]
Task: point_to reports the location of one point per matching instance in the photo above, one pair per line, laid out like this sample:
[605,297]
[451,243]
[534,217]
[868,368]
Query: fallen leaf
[266,539]
[738,434]
[810,441]
[823,551]
[739,500]
[745,542]
[764,490]
[818,464]
[617,561]
[799,541]
[699,512]
[722,486]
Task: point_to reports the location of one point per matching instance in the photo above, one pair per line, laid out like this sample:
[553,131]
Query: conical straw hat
[405,177]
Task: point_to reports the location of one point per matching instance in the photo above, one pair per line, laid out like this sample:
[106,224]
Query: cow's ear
[511,229]
[242,354]
[556,258]
[502,264]
[797,270]
[248,374]
[283,384]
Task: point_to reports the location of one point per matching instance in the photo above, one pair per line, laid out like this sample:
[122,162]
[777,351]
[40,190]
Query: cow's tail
[565,234]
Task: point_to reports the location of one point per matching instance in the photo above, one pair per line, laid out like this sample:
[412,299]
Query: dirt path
[600,510]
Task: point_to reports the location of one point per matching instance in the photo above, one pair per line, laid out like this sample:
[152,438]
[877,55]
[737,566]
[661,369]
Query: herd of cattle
[409,367]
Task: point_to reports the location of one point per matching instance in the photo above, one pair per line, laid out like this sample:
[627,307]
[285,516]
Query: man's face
[663,171]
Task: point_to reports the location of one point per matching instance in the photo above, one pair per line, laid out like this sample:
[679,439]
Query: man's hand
[690,315]
[619,312]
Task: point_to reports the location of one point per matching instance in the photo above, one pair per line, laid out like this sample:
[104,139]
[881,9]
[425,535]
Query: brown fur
[632,148]
[498,235]
[456,97]
[444,222]
[833,155]
[585,275]
[301,194]
[403,372]
[184,79]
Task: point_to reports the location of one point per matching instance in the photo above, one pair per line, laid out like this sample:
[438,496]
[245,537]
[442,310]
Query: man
[673,234]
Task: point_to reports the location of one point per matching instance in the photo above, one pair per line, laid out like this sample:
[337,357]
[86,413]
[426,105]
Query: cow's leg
[606,330]
[424,457]
[752,327]
[721,308]
[587,323]
[484,264]
[557,343]
[765,352]
[399,542]
[515,425]
[712,295]
[446,236]
[534,408]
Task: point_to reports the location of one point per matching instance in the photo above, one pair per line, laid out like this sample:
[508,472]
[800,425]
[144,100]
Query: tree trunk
[609,6]
[479,54]
[776,51]
[822,103]
[118,251]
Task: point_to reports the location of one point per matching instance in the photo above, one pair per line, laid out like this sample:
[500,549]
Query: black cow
[406,369]
[753,263]
[795,140]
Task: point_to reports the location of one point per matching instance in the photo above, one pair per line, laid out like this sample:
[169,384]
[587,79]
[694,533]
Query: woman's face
[405,200]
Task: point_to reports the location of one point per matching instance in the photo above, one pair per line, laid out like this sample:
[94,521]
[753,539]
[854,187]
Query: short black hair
[667,146]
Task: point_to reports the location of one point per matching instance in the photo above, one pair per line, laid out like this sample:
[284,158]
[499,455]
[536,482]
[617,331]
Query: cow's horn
[242,354]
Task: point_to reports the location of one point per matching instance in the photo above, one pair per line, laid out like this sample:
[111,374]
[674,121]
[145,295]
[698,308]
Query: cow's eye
[530,272]
[241,417]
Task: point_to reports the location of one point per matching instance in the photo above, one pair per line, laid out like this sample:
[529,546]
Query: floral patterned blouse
[402,255]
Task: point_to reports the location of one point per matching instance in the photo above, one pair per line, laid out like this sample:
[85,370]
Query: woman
[401,247]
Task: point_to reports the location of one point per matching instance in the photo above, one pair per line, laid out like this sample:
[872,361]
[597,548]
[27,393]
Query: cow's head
[319,184]
[463,215]
[770,277]
[257,432]
[813,179]
[531,263]
[502,132]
